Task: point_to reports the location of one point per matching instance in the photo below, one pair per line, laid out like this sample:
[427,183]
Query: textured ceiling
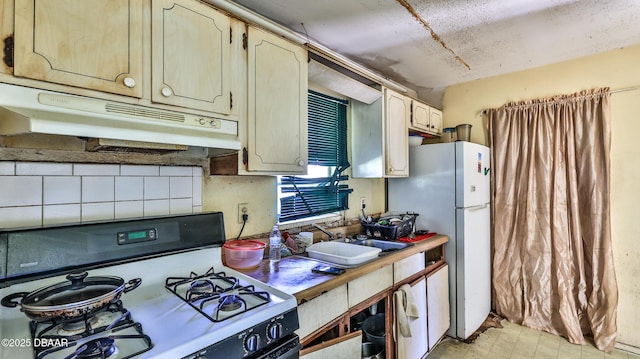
[429,45]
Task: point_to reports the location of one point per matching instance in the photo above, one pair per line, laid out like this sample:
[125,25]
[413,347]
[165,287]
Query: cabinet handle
[301,163]
[129,82]
[166,92]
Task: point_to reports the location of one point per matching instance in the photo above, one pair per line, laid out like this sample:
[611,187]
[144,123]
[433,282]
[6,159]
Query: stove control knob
[275,331]
[252,342]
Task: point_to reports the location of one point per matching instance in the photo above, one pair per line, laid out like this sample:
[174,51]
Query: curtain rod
[624,89]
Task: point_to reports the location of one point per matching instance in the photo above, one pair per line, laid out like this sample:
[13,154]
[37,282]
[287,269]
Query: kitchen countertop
[293,274]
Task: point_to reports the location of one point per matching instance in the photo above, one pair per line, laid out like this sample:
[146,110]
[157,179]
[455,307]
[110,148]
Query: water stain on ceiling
[428,45]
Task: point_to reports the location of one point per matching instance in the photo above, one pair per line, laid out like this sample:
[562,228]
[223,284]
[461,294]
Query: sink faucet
[324,230]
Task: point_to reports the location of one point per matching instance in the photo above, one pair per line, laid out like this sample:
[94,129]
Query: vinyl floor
[514,341]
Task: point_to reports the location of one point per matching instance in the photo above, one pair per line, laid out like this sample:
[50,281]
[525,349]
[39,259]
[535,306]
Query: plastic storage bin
[448,134]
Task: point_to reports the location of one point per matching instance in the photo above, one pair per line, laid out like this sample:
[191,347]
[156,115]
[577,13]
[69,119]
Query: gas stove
[109,332]
[188,305]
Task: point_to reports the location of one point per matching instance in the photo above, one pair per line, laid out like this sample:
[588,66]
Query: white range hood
[28,110]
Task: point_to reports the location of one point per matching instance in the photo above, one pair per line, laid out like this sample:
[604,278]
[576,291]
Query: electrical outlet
[243,208]
[362,202]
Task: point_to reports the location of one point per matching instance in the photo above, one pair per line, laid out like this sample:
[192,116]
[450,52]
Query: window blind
[306,197]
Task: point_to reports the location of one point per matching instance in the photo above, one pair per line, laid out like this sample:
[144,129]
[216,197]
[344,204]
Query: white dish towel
[406,309]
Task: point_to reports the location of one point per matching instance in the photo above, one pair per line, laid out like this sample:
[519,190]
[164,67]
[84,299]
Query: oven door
[289,348]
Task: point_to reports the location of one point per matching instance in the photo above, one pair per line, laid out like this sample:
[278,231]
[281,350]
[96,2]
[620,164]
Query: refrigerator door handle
[476,208]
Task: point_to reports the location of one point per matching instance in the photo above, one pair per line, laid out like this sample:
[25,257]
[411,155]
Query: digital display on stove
[137,236]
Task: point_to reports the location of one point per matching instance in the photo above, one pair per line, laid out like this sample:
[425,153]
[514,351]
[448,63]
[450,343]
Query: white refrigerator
[448,186]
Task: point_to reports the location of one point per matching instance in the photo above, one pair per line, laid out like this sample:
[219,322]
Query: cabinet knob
[301,163]
[129,82]
[166,92]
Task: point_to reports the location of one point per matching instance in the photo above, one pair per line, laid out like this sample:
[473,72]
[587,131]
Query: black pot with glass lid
[80,295]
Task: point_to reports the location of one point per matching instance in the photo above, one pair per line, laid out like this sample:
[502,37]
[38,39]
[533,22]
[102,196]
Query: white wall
[617,69]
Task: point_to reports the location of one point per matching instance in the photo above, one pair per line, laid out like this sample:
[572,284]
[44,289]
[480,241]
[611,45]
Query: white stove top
[175,328]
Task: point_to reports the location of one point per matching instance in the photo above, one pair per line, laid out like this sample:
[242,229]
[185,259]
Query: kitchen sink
[385,246]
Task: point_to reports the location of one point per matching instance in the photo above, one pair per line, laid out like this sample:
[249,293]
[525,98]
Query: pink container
[243,254]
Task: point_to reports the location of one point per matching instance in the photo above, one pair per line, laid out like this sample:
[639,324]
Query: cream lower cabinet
[438,304]
[431,296]
[316,313]
[369,285]
[320,312]
[327,321]
[409,266]
[93,44]
[416,345]
[277,105]
[347,347]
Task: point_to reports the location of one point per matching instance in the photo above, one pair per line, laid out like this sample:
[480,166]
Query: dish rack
[391,227]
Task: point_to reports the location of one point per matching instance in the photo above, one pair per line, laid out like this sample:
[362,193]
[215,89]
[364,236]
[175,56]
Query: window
[323,190]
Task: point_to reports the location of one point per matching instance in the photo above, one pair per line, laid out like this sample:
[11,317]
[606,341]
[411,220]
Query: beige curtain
[553,263]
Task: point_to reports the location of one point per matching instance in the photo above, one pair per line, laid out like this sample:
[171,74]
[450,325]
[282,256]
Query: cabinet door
[397,111]
[191,46]
[277,104]
[416,345]
[93,44]
[368,285]
[438,304]
[407,267]
[6,30]
[347,347]
[420,116]
[319,311]
[435,118]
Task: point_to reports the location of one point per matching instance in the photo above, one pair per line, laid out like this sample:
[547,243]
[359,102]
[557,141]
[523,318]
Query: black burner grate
[112,323]
[216,290]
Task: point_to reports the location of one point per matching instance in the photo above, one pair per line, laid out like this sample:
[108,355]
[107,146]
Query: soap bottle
[275,242]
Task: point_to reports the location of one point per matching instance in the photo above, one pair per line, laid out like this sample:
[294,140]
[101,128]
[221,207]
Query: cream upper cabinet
[420,113]
[277,105]
[379,136]
[397,111]
[93,44]
[6,31]
[435,116]
[191,48]
[425,118]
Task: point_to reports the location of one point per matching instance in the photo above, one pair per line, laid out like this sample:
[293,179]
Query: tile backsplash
[38,193]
